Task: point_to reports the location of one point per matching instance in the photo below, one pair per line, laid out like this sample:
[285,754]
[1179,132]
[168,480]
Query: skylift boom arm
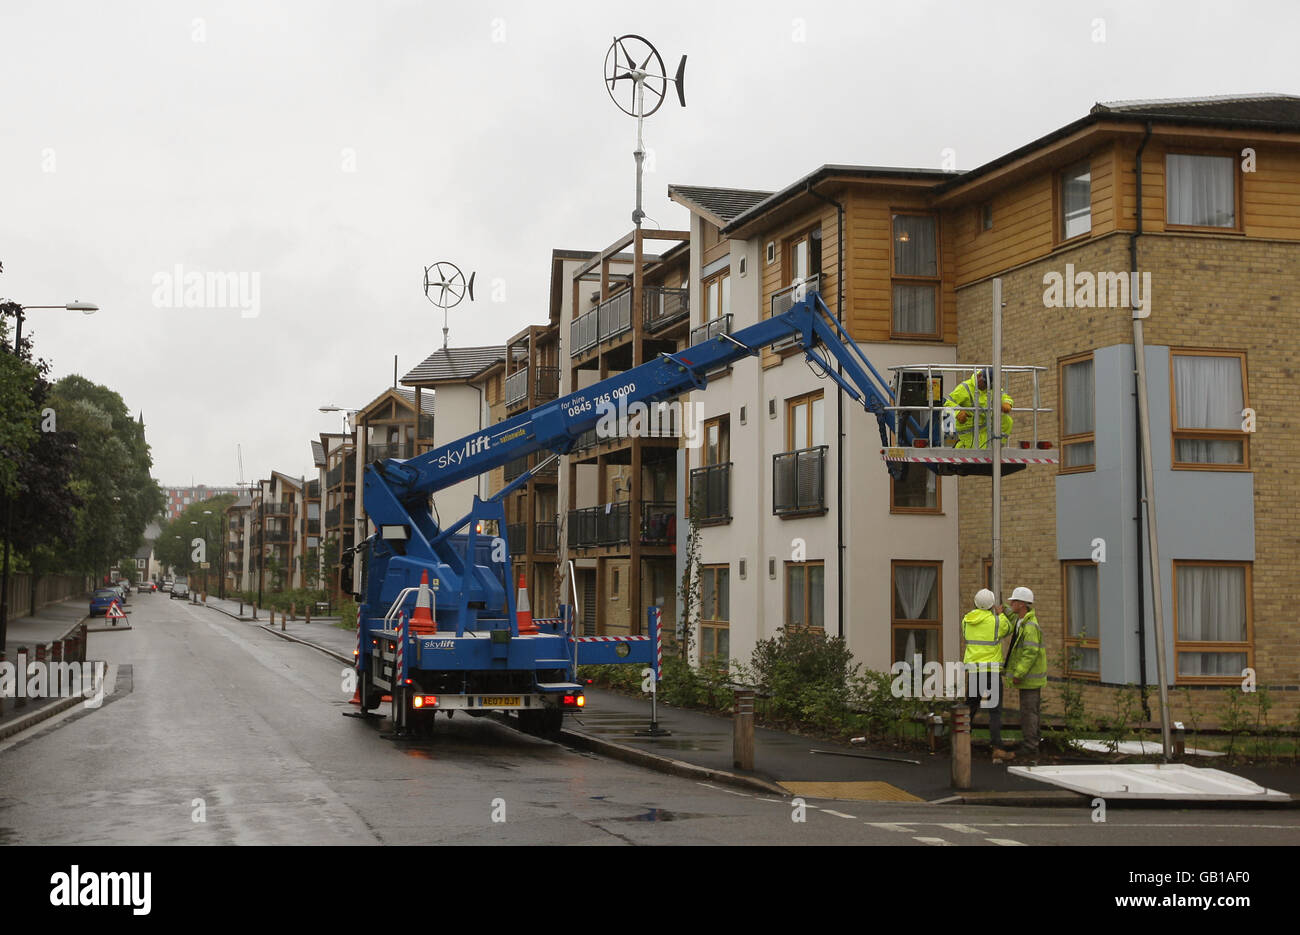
[556,425]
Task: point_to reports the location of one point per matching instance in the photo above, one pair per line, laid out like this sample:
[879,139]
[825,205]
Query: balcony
[279,508]
[546,385]
[333,476]
[608,524]
[513,469]
[799,481]
[608,320]
[711,494]
[332,518]
[711,329]
[313,526]
[784,300]
[546,537]
[661,307]
[391,450]
[517,538]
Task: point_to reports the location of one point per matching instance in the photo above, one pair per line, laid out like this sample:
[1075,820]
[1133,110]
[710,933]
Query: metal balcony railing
[658,522]
[279,508]
[609,319]
[313,527]
[388,450]
[661,307]
[426,421]
[546,537]
[602,525]
[517,387]
[517,538]
[711,493]
[333,476]
[547,385]
[313,490]
[799,481]
[784,300]
[711,329]
[331,518]
[587,439]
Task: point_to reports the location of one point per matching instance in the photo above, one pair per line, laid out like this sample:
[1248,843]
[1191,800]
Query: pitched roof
[1282,110]
[318,454]
[456,365]
[719,205]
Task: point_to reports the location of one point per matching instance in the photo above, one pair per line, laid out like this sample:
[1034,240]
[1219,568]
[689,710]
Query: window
[1200,191]
[613,588]
[1211,621]
[986,216]
[1209,395]
[803,256]
[1078,415]
[916,277]
[715,613]
[917,624]
[717,296]
[916,492]
[805,586]
[804,422]
[717,441]
[711,483]
[1082,619]
[1076,200]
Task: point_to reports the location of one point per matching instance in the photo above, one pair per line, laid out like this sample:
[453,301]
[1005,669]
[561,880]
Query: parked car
[102,599]
[167,584]
[121,593]
[126,585]
[181,589]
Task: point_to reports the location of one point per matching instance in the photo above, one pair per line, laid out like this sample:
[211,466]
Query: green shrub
[805,676]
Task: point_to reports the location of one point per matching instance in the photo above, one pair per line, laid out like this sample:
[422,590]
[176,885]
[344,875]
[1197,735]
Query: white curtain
[1078,396]
[1200,190]
[916,251]
[1076,200]
[914,309]
[1211,606]
[1084,614]
[914,584]
[1207,395]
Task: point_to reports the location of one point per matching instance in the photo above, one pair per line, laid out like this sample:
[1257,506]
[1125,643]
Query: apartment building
[338,502]
[240,545]
[1202,198]
[801,525]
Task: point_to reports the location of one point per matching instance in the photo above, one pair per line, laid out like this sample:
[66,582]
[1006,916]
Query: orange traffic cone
[523,611]
[422,619]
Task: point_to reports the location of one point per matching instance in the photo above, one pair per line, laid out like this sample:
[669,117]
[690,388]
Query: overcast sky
[329,151]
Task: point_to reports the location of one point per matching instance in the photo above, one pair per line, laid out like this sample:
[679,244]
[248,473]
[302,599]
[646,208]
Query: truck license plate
[500,701]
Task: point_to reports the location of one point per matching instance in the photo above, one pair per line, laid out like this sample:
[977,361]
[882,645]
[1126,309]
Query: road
[218,732]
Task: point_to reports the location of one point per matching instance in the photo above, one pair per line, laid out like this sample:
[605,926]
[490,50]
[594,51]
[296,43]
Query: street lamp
[74,306]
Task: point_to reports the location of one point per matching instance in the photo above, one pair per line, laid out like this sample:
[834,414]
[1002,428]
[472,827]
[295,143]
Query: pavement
[695,744]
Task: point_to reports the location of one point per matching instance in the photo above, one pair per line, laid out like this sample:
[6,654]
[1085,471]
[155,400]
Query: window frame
[1237,191]
[790,567]
[1058,203]
[1078,437]
[1177,432]
[714,624]
[1075,642]
[936,281]
[1212,646]
[804,234]
[790,405]
[724,308]
[906,623]
[936,510]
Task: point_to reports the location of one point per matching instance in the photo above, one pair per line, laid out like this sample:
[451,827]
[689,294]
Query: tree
[202,520]
[21,416]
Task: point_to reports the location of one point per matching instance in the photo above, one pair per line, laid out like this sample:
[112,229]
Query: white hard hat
[984,599]
[1023,594]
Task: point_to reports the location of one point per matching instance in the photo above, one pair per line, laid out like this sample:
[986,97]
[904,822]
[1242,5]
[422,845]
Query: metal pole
[995,439]
[639,153]
[1153,543]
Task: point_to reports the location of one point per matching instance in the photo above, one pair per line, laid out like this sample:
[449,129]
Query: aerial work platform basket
[921,392]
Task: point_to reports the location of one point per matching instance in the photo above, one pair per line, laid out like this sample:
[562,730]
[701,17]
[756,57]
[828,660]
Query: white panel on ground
[1135,748]
[1152,781]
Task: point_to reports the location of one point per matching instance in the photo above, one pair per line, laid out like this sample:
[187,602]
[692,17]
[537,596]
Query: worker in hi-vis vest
[962,423]
[1027,666]
[983,630]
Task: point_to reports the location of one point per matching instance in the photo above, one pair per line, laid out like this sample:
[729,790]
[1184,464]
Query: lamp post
[207,547]
[89,309]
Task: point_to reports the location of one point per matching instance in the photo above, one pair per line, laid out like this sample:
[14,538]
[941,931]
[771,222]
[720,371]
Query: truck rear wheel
[371,696]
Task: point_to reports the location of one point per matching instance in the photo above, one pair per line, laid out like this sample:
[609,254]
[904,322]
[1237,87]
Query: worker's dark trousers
[984,693]
[1029,701]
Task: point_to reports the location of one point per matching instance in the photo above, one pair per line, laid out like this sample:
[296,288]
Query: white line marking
[1005,842]
[838,814]
[935,842]
[887,826]
[960,829]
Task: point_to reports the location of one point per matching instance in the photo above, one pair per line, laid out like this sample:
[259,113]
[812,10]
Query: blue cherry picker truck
[478,659]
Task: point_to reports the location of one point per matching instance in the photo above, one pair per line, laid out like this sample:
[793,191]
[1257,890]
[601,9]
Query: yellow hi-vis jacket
[965,395]
[1027,661]
[983,633]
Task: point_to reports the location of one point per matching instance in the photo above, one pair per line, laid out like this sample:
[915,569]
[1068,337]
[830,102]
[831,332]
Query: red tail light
[573,701]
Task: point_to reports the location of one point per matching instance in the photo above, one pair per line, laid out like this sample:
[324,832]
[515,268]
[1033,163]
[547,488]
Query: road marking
[961,829]
[838,814]
[1005,842]
[709,785]
[888,826]
[935,842]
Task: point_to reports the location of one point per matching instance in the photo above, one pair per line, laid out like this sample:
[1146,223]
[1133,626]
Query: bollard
[254,606]
[83,640]
[961,747]
[293,610]
[241,608]
[308,615]
[1180,739]
[20,678]
[742,738]
[283,616]
[2,665]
